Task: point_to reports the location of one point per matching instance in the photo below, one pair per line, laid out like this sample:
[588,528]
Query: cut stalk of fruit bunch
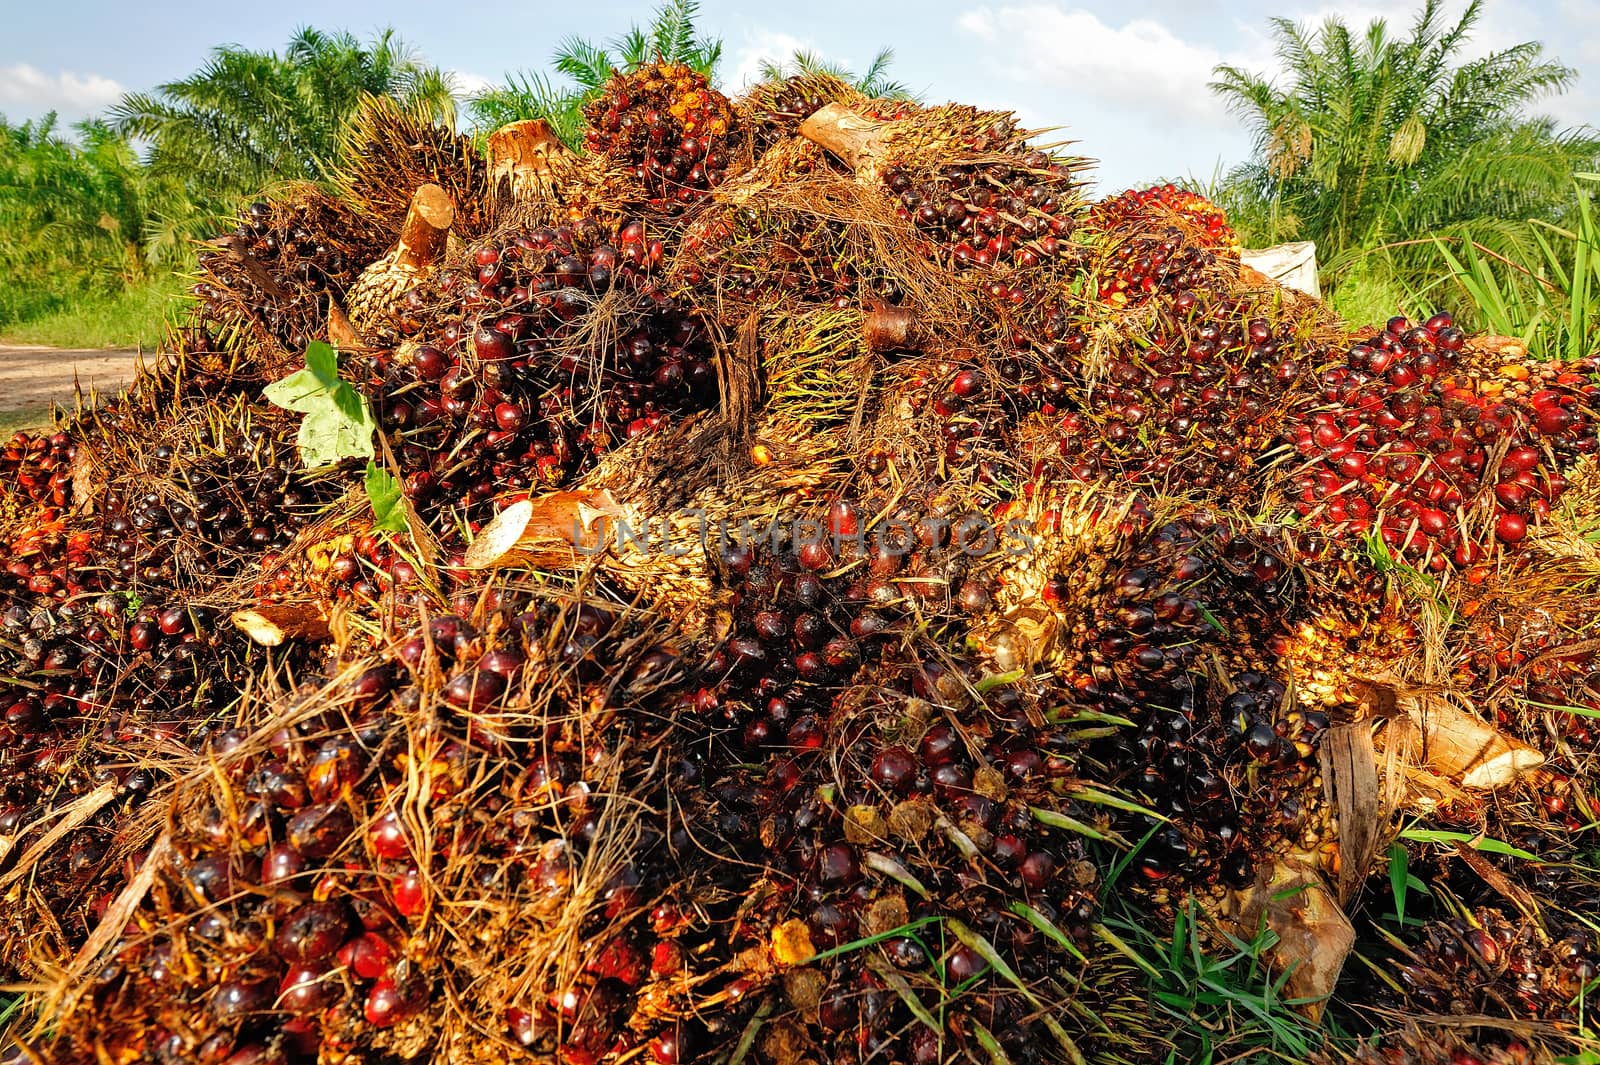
[375,302]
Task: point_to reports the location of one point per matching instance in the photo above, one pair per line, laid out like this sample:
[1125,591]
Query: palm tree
[874,82]
[246,119]
[671,37]
[74,213]
[1376,140]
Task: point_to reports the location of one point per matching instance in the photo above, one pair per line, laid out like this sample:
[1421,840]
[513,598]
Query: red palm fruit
[307,989]
[321,829]
[235,1000]
[386,837]
[895,769]
[281,864]
[963,964]
[390,1002]
[410,895]
[369,955]
[313,932]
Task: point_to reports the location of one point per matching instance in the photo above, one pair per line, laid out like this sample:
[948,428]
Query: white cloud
[26,91]
[469,84]
[1140,66]
[762,46]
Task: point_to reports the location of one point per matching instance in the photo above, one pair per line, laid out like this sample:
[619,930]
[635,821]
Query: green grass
[1224,1007]
[12,420]
[132,318]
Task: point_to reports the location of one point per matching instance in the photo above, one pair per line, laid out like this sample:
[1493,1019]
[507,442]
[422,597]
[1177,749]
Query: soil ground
[31,378]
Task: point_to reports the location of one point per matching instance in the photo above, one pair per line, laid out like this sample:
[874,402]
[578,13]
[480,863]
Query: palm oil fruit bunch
[277,926]
[1487,961]
[1144,264]
[669,126]
[515,365]
[1447,463]
[778,107]
[1572,683]
[108,692]
[228,497]
[1180,640]
[355,567]
[1194,409]
[894,803]
[1018,214]
[798,635]
[277,271]
[37,469]
[1138,209]
[795,256]
[305,908]
[1161,241]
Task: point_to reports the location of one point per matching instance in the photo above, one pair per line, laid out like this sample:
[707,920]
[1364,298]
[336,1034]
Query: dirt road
[32,378]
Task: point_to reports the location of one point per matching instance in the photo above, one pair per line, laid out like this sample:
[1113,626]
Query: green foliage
[874,81]
[84,217]
[383,492]
[1376,140]
[1549,296]
[1367,293]
[130,317]
[1402,882]
[247,119]
[74,217]
[337,423]
[1227,1007]
[672,37]
[527,95]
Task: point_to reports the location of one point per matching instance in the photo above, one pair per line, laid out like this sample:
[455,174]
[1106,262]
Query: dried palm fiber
[390,151]
[795,228]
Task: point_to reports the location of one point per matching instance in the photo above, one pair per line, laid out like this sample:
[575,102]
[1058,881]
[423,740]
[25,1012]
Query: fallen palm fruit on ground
[798,582]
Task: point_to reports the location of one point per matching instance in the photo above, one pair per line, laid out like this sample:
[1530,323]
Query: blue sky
[1126,81]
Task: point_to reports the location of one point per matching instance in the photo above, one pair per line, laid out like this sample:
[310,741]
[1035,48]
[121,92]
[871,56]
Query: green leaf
[1047,926]
[323,363]
[1488,846]
[1398,861]
[300,391]
[1115,942]
[998,680]
[1085,793]
[338,424]
[326,436]
[383,492]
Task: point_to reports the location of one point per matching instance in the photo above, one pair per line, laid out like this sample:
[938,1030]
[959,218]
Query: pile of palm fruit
[818,577]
